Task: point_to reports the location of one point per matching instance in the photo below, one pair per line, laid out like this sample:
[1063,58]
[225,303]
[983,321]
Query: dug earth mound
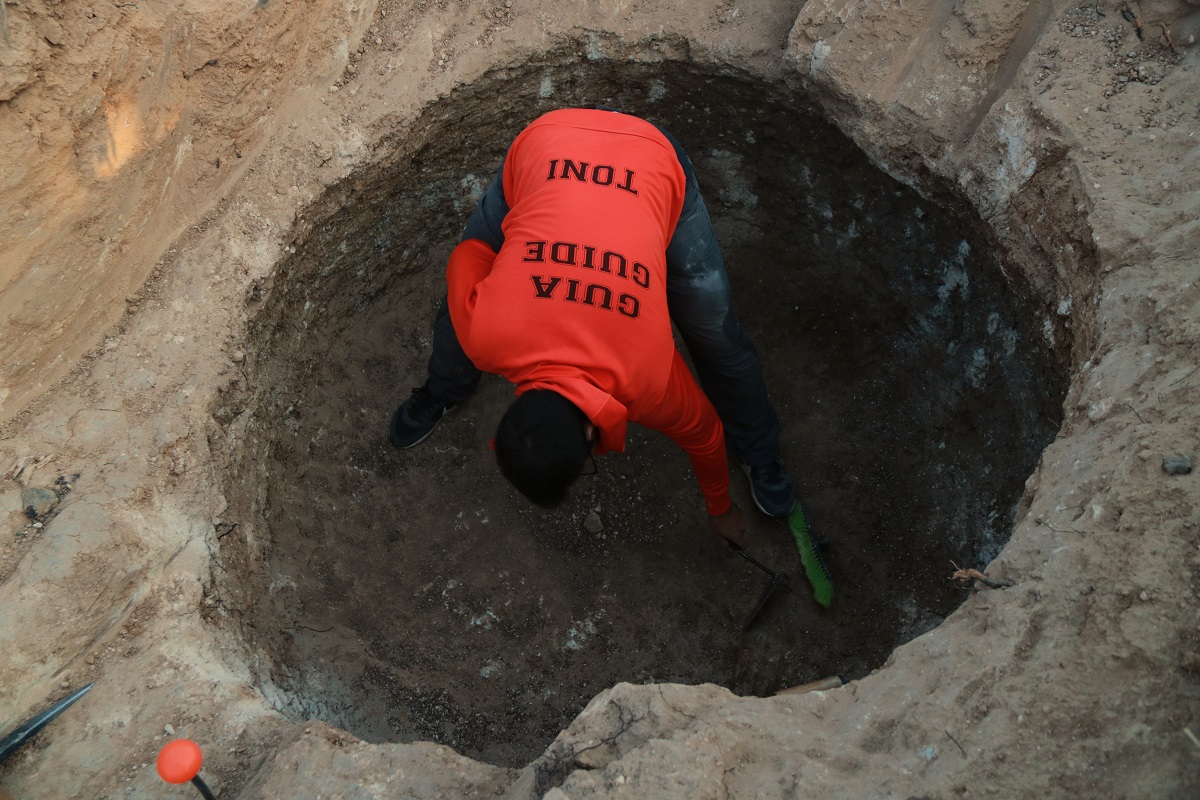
[963,237]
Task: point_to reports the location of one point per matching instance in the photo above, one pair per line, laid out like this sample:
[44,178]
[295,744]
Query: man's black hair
[541,445]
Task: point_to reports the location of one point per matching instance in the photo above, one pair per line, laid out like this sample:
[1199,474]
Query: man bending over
[590,241]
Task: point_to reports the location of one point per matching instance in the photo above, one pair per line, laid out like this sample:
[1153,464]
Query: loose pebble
[1177,465]
[37,501]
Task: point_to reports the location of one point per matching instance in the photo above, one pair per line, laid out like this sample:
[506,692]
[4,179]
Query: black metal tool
[777,579]
[179,761]
[13,741]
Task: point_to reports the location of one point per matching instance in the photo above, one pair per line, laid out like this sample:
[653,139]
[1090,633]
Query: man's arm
[470,262]
[688,418]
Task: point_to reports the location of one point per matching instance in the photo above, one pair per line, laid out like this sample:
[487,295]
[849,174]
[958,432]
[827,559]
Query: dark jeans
[698,297]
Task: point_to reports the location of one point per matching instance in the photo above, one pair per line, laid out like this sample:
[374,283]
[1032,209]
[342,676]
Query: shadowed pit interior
[415,596]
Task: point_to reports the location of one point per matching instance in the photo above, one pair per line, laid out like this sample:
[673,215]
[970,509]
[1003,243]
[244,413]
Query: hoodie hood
[610,417]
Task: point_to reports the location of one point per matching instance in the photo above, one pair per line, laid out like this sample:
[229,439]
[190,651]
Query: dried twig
[1135,412]
[1130,16]
[1170,41]
[966,576]
[551,767]
[960,747]
[1185,377]
[23,468]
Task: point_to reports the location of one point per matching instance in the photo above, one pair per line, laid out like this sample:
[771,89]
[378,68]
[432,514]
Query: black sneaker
[416,418]
[771,487]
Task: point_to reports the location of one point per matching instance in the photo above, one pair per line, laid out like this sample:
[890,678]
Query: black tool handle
[13,741]
[205,792]
[741,551]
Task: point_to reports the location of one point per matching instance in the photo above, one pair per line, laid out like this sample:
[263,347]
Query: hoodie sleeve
[470,262]
[689,419]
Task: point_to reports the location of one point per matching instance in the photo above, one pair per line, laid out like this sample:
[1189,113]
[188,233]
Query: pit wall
[1078,681]
[121,124]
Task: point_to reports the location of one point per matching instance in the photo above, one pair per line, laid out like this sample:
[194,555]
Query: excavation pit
[415,596]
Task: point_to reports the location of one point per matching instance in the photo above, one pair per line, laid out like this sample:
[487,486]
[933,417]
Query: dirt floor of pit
[415,596]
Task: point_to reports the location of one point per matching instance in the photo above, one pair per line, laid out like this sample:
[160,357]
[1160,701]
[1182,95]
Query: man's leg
[452,376]
[725,358]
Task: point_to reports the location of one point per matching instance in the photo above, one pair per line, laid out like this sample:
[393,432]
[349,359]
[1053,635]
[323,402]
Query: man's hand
[729,527]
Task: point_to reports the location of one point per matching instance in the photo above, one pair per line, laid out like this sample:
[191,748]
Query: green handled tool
[815,568]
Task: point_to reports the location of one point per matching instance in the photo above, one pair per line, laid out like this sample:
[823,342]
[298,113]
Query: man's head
[541,445]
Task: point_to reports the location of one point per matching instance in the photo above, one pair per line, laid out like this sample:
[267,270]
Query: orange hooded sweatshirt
[576,299]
